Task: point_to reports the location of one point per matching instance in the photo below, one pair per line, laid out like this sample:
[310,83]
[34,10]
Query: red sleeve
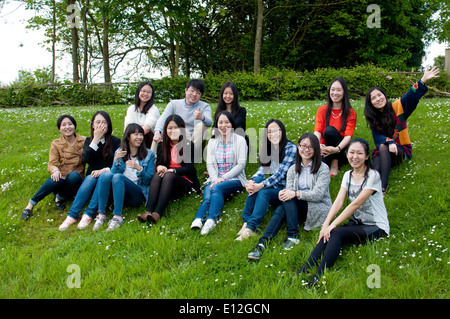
[351,124]
[319,125]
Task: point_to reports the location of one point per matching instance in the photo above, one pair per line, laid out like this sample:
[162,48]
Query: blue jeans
[125,193]
[103,182]
[292,212]
[257,204]
[84,192]
[62,189]
[214,198]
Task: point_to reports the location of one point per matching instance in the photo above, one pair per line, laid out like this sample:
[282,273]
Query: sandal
[26,213]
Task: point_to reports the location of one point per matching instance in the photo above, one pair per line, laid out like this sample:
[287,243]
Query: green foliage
[219,35]
[270,84]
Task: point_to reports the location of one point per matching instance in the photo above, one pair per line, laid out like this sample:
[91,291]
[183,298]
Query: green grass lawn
[168,260]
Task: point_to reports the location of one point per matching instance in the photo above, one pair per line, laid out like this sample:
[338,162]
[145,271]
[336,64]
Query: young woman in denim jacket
[129,178]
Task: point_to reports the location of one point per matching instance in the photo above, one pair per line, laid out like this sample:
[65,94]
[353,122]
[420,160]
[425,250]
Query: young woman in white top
[367,213]
[143,111]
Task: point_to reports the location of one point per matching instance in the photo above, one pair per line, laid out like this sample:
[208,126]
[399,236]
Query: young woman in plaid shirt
[226,160]
[276,157]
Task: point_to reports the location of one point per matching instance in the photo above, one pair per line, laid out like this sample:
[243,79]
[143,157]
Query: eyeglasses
[274,132]
[305,147]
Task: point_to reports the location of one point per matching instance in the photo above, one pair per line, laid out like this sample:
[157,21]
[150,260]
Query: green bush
[270,84]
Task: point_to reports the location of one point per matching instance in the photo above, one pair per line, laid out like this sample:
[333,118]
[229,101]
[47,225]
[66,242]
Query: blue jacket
[145,176]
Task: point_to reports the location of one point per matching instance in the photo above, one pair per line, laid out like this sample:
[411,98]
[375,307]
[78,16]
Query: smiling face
[173,131]
[274,133]
[357,155]
[228,96]
[67,128]
[224,125]
[378,99]
[306,150]
[336,92]
[145,94]
[193,95]
[135,139]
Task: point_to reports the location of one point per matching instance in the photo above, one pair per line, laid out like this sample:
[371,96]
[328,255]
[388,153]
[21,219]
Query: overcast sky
[21,48]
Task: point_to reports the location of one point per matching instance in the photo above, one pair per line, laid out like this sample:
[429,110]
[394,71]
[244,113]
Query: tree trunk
[75,48]
[258,38]
[106,68]
[54,44]
[86,43]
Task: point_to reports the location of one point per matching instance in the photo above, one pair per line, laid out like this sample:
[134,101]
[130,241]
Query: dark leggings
[162,189]
[333,137]
[339,236]
[385,160]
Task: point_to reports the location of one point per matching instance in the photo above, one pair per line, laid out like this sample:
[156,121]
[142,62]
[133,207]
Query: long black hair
[346,107]
[137,100]
[166,155]
[379,121]
[221,106]
[265,155]
[125,145]
[317,159]
[107,150]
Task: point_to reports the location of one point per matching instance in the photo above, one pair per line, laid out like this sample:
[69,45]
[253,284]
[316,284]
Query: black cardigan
[186,169]
[95,159]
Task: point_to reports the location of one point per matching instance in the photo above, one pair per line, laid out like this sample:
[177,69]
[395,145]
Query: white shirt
[149,119]
[131,173]
[95,146]
[305,178]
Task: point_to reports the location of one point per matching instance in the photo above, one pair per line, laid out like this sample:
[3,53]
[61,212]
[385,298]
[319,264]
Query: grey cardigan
[318,197]
[240,159]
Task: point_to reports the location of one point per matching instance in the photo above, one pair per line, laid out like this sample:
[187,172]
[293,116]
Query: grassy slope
[170,261]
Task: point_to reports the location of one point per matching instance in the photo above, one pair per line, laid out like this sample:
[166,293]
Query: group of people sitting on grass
[154,163]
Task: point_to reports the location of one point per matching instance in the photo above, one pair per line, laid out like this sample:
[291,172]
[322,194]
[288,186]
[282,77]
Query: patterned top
[225,157]
[373,211]
[278,175]
[403,108]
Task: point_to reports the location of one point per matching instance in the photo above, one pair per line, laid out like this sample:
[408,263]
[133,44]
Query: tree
[440,24]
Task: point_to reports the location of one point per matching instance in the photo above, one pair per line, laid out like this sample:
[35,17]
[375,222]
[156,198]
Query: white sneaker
[114,224]
[210,224]
[99,221]
[197,224]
